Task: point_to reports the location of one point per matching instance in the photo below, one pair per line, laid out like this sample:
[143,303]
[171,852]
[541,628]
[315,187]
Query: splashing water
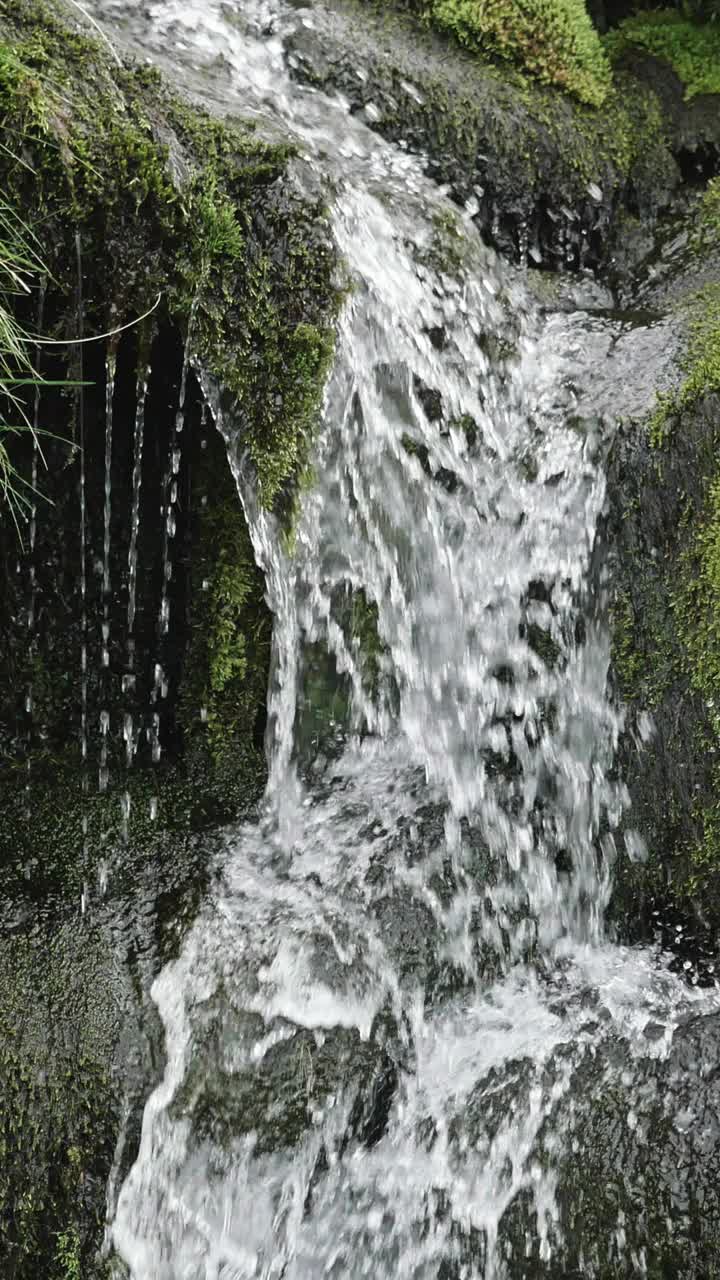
[375,1021]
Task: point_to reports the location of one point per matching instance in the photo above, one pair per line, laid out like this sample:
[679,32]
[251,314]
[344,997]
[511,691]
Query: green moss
[692,49]
[553,40]
[366,639]
[701,364]
[696,603]
[229,656]
[55,1133]
[710,211]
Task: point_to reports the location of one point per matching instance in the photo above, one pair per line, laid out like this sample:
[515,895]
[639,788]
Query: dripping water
[143,383]
[168,515]
[32,554]
[105,680]
[171,486]
[129,728]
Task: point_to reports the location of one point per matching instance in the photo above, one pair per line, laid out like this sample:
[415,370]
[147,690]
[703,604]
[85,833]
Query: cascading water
[374,1027]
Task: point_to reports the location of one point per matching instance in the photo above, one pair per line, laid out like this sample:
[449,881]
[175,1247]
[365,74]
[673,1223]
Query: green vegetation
[228,661]
[553,40]
[56,1140]
[68,1254]
[710,212]
[696,603]
[692,49]
[701,363]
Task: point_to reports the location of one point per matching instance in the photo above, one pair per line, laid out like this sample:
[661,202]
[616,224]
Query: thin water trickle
[168,516]
[105,676]
[32,554]
[169,511]
[129,730]
[375,1028]
[110,370]
[143,382]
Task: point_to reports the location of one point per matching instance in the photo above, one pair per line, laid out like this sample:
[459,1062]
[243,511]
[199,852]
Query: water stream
[375,1027]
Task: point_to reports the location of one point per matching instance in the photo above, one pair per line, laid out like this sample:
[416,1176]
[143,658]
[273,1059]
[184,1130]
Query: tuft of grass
[691,48]
[553,40]
[20,266]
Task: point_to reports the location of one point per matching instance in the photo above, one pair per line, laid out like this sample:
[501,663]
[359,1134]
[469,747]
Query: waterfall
[375,1028]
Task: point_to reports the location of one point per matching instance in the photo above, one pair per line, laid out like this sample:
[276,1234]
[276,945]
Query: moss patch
[59,1110]
[554,41]
[701,363]
[710,212]
[226,670]
[696,603]
[692,49]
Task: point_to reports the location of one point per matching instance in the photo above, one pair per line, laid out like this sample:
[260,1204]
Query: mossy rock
[553,40]
[691,48]
[552,180]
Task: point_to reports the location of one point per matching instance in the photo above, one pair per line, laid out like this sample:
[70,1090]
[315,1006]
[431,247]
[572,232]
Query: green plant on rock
[553,40]
[710,212]
[701,364]
[691,48]
[68,1254]
[696,605]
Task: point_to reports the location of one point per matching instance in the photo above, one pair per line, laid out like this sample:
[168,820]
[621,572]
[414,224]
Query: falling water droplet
[143,382]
